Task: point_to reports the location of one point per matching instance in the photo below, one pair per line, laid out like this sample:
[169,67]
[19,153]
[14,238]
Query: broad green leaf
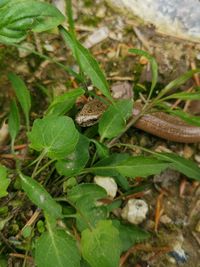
[193,120]
[141,166]
[113,120]
[92,192]
[101,246]
[185,166]
[17,17]
[56,135]
[179,81]
[84,263]
[40,197]
[88,63]
[116,204]
[89,214]
[22,94]
[85,197]
[63,103]
[13,121]
[133,166]
[4,181]
[112,160]
[75,161]
[154,66]
[130,234]
[56,249]
[184,96]
[4,261]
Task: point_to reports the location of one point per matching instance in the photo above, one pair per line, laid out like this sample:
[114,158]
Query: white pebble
[108,183]
[135,211]
[97,37]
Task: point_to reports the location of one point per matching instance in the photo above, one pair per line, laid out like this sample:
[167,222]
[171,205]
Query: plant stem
[40,158]
[44,167]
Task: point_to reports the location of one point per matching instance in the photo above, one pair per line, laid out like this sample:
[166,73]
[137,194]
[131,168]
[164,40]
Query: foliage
[78,228]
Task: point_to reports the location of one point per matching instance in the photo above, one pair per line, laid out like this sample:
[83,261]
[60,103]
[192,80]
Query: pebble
[178,252]
[108,183]
[122,90]
[197,158]
[135,211]
[96,37]
[197,228]
[188,152]
[165,219]
[25,49]
[162,149]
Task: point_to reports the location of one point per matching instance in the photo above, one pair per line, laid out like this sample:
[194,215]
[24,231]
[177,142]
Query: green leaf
[122,182]
[87,62]
[89,214]
[179,81]
[130,234]
[101,246]
[40,197]
[63,103]
[85,197]
[4,181]
[22,94]
[13,121]
[184,96]
[112,161]
[185,166]
[56,248]
[56,135]
[4,261]
[92,192]
[75,161]
[17,17]
[113,120]
[131,166]
[154,66]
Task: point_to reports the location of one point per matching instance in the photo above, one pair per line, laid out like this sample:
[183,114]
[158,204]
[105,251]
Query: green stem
[39,159]
[44,167]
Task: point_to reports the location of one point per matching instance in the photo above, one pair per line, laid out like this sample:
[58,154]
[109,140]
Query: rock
[135,211]
[96,37]
[197,158]
[25,49]
[173,17]
[188,152]
[122,90]
[178,252]
[165,219]
[108,183]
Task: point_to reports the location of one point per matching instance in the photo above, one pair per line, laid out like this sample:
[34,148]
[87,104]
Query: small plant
[74,229]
